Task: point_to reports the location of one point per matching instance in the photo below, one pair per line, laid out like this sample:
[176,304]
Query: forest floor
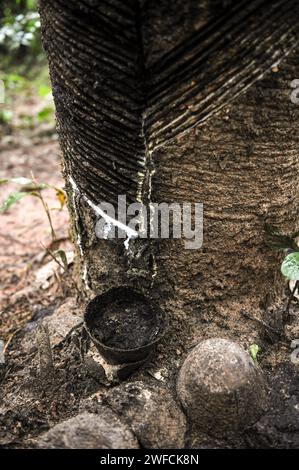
[27,284]
[31,292]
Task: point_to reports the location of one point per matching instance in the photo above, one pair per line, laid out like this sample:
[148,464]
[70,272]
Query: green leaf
[13,77]
[35,187]
[31,5]
[27,183]
[6,116]
[45,114]
[12,199]
[44,90]
[14,81]
[290,266]
[254,349]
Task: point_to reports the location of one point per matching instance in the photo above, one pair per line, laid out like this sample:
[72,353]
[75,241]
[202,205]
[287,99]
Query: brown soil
[24,228]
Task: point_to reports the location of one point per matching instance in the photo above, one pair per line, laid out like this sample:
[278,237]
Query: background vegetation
[23,65]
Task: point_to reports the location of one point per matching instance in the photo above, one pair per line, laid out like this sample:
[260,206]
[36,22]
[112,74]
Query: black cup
[149,326]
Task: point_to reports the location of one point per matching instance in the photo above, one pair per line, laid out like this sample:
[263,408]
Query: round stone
[221,388]
[89,431]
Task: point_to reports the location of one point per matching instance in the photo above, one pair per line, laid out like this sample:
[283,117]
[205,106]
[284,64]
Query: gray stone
[89,431]
[221,388]
[151,412]
[63,321]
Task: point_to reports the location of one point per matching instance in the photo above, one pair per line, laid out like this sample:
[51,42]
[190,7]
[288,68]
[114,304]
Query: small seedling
[254,350]
[30,187]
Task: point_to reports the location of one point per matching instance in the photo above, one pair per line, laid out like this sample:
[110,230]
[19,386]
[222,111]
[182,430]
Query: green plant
[30,187]
[29,4]
[12,7]
[6,116]
[46,114]
[13,81]
[20,30]
[19,35]
[254,349]
[290,264]
[44,90]
[16,85]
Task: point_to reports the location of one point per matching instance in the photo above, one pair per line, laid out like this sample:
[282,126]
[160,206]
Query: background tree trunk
[178,101]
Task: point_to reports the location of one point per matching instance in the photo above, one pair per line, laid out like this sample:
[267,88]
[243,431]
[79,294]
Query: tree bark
[180,101]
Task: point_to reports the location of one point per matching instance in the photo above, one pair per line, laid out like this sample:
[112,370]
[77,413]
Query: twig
[50,253]
[9,340]
[45,206]
[47,210]
[63,267]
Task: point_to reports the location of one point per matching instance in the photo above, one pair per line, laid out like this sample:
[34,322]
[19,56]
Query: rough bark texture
[176,101]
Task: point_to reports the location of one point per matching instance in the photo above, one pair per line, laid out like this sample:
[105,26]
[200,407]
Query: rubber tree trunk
[180,101]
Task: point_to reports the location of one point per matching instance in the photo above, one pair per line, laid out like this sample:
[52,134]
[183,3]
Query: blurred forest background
[28,150]
[23,65]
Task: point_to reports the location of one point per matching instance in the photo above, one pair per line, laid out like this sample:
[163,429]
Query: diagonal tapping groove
[115,108]
[213,69]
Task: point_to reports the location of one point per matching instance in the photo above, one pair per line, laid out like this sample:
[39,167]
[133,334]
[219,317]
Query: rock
[95,370]
[220,387]
[61,323]
[89,431]
[151,412]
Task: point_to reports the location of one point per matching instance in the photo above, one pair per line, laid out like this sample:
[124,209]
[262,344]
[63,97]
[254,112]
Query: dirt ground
[24,228]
